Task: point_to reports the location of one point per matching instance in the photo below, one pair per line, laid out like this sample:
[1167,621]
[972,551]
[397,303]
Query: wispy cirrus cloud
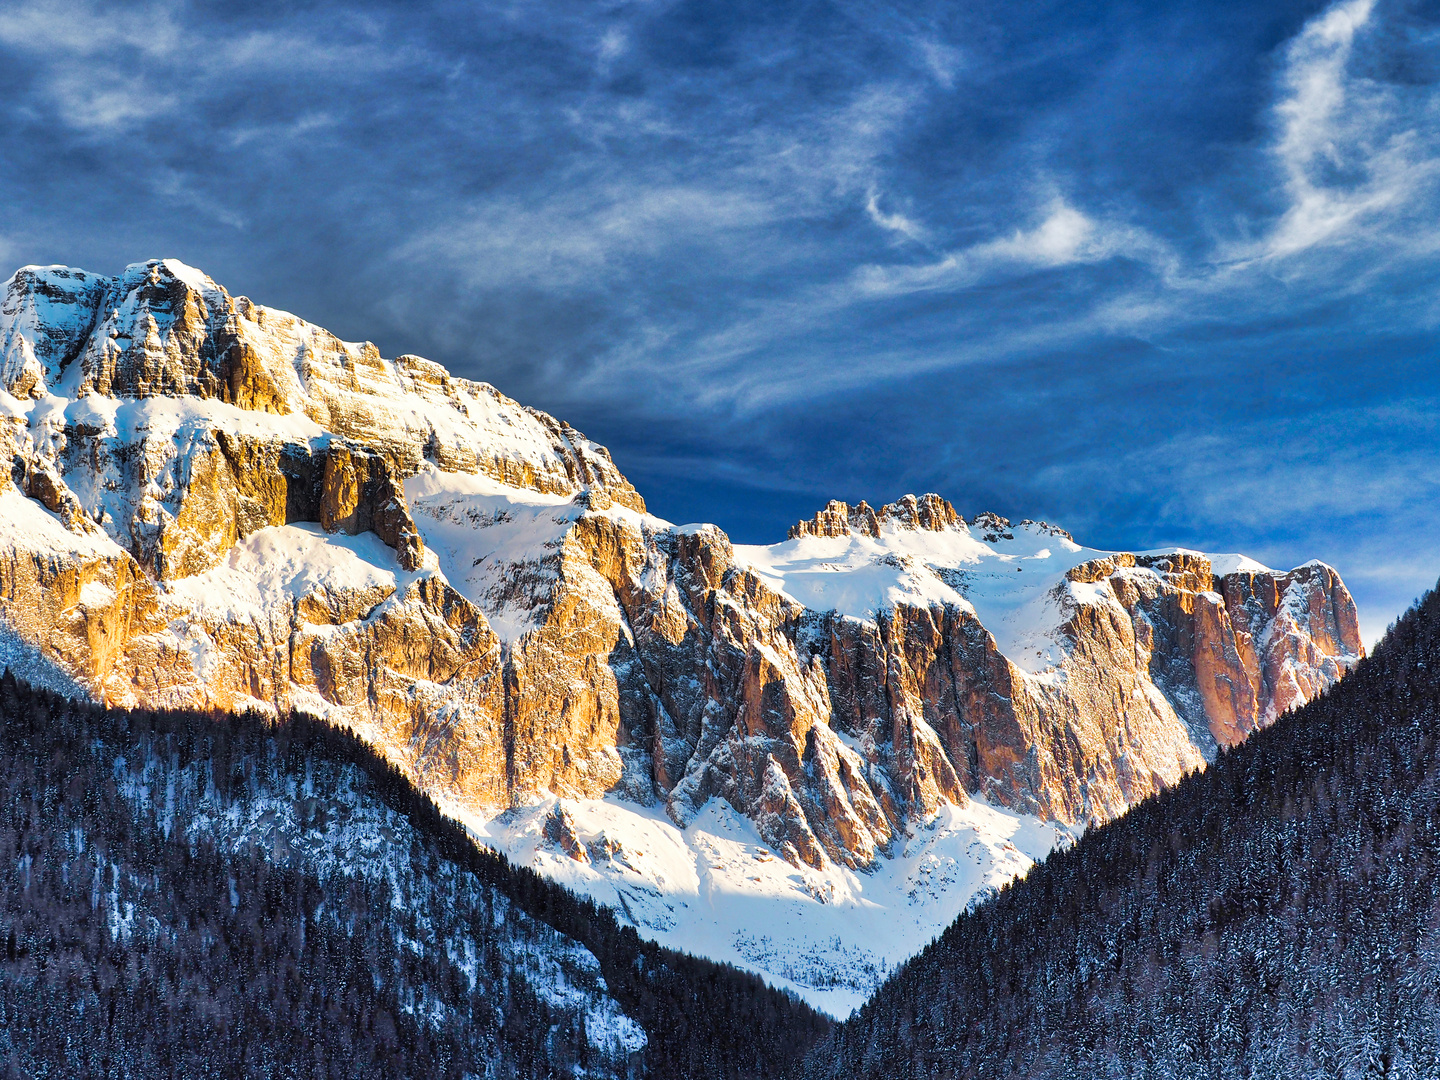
[74,45]
[1323,128]
[569,240]
[1063,236]
[107,70]
[1358,157]
[1359,162]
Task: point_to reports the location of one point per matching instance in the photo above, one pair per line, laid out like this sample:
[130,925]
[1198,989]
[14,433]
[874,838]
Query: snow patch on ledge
[1233,563]
[26,526]
[498,545]
[277,565]
[1009,584]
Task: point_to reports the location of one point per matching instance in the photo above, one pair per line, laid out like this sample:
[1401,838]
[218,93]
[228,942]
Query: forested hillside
[185,895]
[1277,915]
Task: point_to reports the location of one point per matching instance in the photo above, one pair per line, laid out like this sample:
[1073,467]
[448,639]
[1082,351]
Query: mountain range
[1277,915]
[805,759]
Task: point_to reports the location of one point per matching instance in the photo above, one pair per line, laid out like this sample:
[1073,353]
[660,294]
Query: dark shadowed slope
[185,895]
[1275,916]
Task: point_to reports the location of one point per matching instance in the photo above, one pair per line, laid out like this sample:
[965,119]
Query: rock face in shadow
[214,504]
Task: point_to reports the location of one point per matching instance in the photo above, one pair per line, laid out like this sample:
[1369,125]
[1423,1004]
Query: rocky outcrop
[46,316]
[164,330]
[359,492]
[230,508]
[830,731]
[840,519]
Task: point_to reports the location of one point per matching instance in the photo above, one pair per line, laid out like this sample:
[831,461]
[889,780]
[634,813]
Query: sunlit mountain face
[803,759]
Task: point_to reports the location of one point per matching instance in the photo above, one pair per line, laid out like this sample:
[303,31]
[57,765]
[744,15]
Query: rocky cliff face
[214,504]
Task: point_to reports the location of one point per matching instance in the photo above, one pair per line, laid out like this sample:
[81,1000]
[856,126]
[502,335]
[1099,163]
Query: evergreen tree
[206,895]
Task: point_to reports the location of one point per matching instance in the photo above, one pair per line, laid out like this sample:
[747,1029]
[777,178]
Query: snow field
[717,890]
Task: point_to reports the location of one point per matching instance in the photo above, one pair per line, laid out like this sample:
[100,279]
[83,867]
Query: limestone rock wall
[192,487]
[838,518]
[831,732]
[164,330]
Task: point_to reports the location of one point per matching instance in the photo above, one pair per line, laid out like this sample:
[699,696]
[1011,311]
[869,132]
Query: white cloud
[47,27]
[1315,81]
[565,241]
[306,126]
[1064,236]
[97,59]
[837,154]
[896,222]
[1354,154]
[613,44]
[76,44]
[108,68]
[943,61]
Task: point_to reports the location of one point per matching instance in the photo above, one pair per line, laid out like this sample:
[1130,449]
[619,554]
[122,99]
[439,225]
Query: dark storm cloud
[1165,273]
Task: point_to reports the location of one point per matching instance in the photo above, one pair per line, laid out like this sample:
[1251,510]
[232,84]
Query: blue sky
[1162,273]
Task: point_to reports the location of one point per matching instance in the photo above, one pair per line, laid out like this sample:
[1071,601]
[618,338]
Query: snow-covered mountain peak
[210,503]
[160,367]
